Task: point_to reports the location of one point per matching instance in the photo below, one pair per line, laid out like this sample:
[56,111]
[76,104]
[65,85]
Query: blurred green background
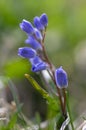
[65,43]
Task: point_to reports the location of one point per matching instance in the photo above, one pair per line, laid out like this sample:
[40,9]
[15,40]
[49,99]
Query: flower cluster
[36,52]
[35,41]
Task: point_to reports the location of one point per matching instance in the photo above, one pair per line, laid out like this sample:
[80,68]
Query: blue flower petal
[38,34]
[33,43]
[38,64]
[27,27]
[61,78]
[26,52]
[39,67]
[38,24]
[35,60]
[44,19]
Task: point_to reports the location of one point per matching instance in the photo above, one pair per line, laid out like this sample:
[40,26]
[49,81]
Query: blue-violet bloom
[38,24]
[44,19]
[35,60]
[38,64]
[39,67]
[61,78]
[38,34]
[33,43]
[26,52]
[27,27]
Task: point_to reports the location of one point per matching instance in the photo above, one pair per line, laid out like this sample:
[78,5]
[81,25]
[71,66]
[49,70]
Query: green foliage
[17,68]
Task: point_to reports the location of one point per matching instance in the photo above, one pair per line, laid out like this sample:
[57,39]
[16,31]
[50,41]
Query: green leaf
[37,86]
[52,102]
[12,122]
[16,68]
[14,92]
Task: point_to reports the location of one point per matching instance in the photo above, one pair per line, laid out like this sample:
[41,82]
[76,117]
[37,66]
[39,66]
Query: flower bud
[27,27]
[26,52]
[38,64]
[44,19]
[38,24]
[33,43]
[61,78]
[39,67]
[38,34]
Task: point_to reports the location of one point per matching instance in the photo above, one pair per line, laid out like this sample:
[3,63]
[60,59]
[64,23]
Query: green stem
[52,68]
[69,112]
[64,95]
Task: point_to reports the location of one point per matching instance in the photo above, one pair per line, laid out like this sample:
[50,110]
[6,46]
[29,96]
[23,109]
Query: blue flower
[27,27]
[39,67]
[35,60]
[44,19]
[33,43]
[38,64]
[38,24]
[38,34]
[61,78]
[26,52]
